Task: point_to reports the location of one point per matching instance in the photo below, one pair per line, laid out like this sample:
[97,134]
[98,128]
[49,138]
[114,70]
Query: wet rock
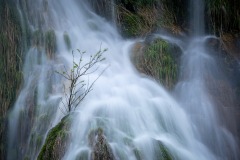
[67,40]
[230,45]
[56,142]
[37,38]
[101,149]
[50,43]
[158,59]
[138,55]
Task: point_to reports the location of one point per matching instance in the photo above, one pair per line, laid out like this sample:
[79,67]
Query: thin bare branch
[78,88]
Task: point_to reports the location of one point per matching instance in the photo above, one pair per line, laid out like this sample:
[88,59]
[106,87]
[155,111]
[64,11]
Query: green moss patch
[37,38]
[158,61]
[67,41]
[56,141]
[50,43]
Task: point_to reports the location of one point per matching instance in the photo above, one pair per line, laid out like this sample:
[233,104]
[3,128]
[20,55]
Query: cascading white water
[191,91]
[135,113]
[198,68]
[197,17]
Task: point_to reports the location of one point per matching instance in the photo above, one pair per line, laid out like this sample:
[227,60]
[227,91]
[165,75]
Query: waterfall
[197,17]
[137,115]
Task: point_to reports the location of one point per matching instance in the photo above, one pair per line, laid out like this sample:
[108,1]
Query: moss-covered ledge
[57,141]
[158,59]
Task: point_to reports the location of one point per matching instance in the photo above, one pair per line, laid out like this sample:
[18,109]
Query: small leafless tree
[79,88]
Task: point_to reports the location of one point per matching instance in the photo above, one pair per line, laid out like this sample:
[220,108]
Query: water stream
[135,113]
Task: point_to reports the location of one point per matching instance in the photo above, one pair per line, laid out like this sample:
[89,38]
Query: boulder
[56,142]
[101,149]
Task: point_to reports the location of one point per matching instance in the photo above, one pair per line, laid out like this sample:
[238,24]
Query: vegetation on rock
[173,15]
[37,38]
[67,40]
[158,61]
[139,18]
[135,18]
[164,152]
[139,23]
[50,43]
[13,37]
[224,16]
[56,141]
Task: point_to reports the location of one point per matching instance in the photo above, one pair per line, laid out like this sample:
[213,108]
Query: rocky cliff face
[13,44]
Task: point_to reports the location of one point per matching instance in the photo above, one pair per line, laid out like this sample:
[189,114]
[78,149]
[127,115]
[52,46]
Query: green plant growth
[11,53]
[12,48]
[139,23]
[67,41]
[50,43]
[159,63]
[79,88]
[224,15]
[38,38]
[132,24]
[36,140]
[139,18]
[173,15]
[165,155]
[56,141]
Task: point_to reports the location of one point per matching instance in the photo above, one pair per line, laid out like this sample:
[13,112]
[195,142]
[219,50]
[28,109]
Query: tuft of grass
[160,63]
[50,43]
[224,16]
[37,38]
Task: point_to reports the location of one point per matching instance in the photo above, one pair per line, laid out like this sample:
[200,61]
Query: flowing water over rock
[137,117]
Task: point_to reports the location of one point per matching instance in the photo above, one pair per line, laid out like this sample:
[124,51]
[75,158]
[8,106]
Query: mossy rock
[67,41]
[162,64]
[37,38]
[56,141]
[50,43]
[158,61]
[164,152]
